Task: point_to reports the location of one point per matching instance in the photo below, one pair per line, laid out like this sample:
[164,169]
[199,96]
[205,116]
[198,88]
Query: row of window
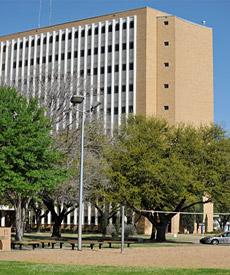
[69,54]
[116,89]
[63,37]
[123,109]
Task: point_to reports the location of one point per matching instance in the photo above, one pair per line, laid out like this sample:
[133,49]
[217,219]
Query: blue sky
[19,15]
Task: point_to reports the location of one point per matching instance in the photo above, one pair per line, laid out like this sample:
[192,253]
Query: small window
[108,110]
[95,71]
[103,29]
[63,37]
[131,25]
[27,44]
[124,26]
[166,43]
[26,62]
[166,64]
[109,90]
[44,41]
[117,47]
[38,60]
[32,43]
[56,57]
[123,67]
[166,107]
[69,55]
[20,64]
[62,56]
[123,88]
[110,48]
[57,38]
[51,39]
[31,62]
[70,35]
[116,68]
[50,58]
[4,48]
[89,32]
[131,87]
[88,71]
[21,45]
[115,110]
[110,28]
[124,46]
[96,30]
[15,46]
[75,54]
[123,109]
[3,67]
[166,85]
[95,51]
[102,90]
[43,59]
[76,34]
[103,49]
[14,65]
[82,53]
[166,23]
[131,66]
[81,72]
[39,42]
[131,45]
[83,33]
[109,69]
[89,52]
[115,89]
[102,70]
[130,109]
[117,27]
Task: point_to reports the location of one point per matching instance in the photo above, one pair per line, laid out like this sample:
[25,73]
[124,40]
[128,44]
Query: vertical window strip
[127,67]
[105,75]
[11,62]
[112,75]
[92,86]
[99,66]
[17,62]
[134,64]
[120,72]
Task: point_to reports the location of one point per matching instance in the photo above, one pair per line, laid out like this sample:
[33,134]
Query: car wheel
[215,242]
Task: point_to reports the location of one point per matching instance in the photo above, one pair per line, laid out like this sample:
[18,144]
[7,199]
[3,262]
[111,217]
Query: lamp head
[76,99]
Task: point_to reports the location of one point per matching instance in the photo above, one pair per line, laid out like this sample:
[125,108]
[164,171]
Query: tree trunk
[19,220]
[104,223]
[153,234]
[57,228]
[161,232]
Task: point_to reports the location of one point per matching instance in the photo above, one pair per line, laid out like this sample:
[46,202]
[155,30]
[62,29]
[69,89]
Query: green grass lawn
[9,268]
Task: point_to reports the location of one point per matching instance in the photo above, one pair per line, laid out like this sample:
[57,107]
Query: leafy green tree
[158,167]
[28,162]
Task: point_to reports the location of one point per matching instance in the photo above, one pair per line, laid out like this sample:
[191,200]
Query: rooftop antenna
[204,22]
[39,14]
[50,12]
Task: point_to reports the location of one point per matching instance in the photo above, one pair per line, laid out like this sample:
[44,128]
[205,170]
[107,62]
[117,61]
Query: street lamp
[75,99]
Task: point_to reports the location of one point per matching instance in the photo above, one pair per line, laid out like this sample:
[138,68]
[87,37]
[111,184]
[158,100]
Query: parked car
[223,238]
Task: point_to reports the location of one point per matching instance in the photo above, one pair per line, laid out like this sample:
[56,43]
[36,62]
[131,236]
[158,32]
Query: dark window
[96,30]
[109,69]
[131,66]
[89,32]
[32,43]
[51,39]
[3,67]
[110,48]
[115,89]
[63,37]
[50,58]
[116,68]
[95,50]
[69,55]
[108,110]
[102,90]
[117,27]
[103,29]
[123,109]
[15,46]
[44,41]
[43,59]
[115,110]
[76,34]
[81,72]
[26,62]
[75,54]
[27,44]
[130,109]
[102,70]
[31,62]
[4,48]
[21,45]
[57,38]
[38,60]
[88,71]
[83,33]
[166,22]
[117,47]
[39,41]
[166,85]
[109,90]
[166,107]
[131,87]
[123,88]
[56,57]
[103,49]
[131,25]
[20,64]
[123,67]
[82,53]
[131,45]
[95,71]
[124,46]
[89,52]
[166,43]
[124,26]
[70,35]
[62,56]
[14,65]
[110,28]
[166,64]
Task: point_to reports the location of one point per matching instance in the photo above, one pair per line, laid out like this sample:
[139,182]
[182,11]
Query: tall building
[140,61]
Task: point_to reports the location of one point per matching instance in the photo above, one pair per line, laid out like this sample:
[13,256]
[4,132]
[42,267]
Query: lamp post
[78,100]
[75,100]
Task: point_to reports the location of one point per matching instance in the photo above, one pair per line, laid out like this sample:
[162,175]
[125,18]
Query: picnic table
[34,244]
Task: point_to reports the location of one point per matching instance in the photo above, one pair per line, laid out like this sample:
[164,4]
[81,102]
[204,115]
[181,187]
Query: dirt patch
[195,256]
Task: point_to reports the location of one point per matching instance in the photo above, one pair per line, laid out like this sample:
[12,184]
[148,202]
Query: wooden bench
[48,242]
[119,242]
[90,243]
[34,244]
